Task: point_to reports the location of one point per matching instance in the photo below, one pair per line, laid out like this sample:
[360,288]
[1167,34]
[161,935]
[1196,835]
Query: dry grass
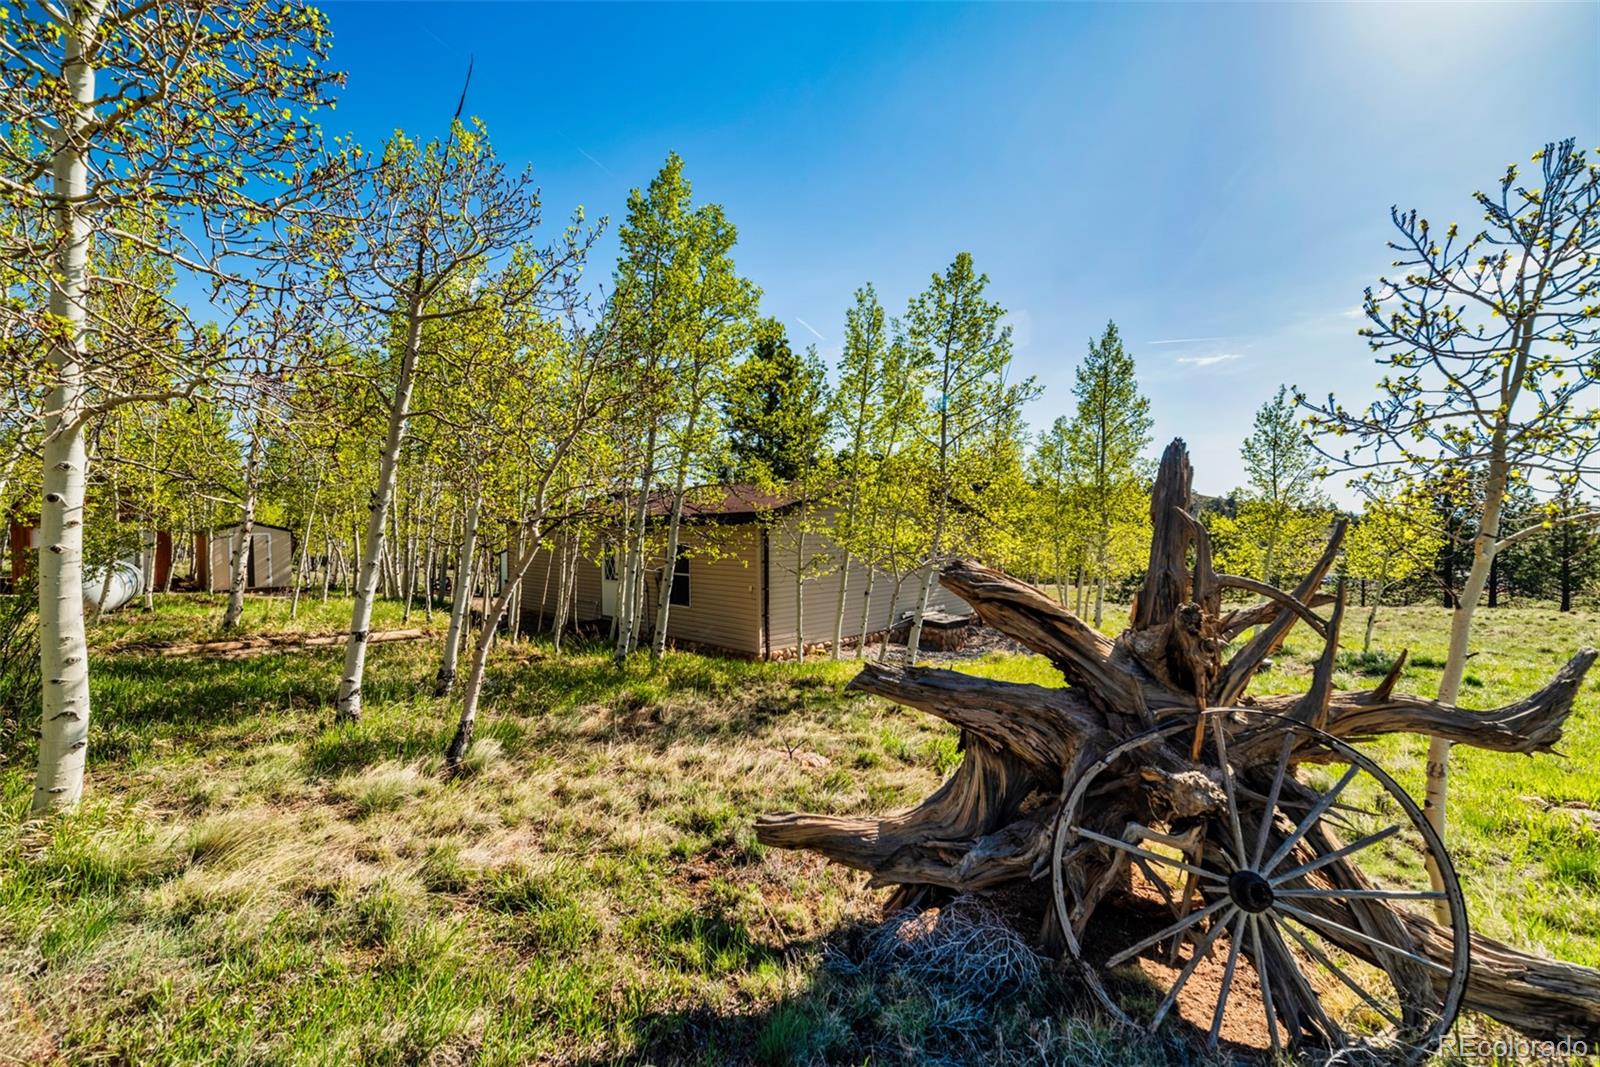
[250,883]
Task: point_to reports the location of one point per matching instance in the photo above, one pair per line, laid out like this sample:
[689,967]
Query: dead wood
[1026,746]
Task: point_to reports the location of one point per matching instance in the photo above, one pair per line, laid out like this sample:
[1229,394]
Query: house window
[611,565]
[680,579]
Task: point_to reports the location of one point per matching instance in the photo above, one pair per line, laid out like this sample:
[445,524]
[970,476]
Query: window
[611,565]
[680,579]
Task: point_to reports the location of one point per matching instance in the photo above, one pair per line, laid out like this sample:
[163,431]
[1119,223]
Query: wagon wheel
[1331,965]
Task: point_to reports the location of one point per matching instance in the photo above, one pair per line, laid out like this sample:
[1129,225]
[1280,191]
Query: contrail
[595,161]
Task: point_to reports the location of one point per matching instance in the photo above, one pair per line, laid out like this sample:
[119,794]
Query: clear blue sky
[1216,179]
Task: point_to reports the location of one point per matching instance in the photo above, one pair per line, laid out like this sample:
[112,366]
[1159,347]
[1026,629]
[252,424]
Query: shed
[270,564]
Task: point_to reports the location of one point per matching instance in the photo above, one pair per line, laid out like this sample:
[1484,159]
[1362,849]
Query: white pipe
[127,582]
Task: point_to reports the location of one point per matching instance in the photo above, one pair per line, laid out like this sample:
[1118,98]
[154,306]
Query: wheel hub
[1250,891]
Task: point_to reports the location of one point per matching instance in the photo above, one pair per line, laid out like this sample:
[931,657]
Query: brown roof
[731,502]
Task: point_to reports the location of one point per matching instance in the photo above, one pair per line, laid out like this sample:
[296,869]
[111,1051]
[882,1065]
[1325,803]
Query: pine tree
[775,408]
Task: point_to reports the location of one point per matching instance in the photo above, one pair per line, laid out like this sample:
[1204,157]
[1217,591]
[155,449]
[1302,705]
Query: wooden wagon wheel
[1285,893]
[1183,668]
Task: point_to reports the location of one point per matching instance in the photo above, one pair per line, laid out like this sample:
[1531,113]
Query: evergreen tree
[775,409]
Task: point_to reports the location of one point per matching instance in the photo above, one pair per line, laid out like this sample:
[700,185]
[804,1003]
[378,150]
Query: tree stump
[1154,782]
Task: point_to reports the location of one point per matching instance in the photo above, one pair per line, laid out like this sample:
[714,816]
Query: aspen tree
[1491,344]
[194,120]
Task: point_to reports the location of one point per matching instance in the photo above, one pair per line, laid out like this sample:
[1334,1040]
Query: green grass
[198,617]
[248,882]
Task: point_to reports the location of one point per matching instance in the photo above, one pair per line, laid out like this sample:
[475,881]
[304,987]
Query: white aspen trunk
[301,560]
[305,552]
[1455,665]
[838,617]
[427,570]
[1100,567]
[558,606]
[1372,615]
[327,563]
[110,568]
[658,642]
[914,636]
[568,608]
[894,602]
[353,566]
[445,680]
[147,567]
[515,546]
[800,596]
[550,611]
[626,581]
[147,534]
[636,599]
[177,553]
[240,562]
[1267,564]
[63,645]
[1077,593]
[348,707]
[866,613]
[408,578]
[467,725]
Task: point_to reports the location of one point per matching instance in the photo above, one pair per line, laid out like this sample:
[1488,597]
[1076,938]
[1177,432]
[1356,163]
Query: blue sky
[1216,178]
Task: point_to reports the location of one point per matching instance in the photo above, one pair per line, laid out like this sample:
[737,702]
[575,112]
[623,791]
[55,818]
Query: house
[270,564]
[736,584]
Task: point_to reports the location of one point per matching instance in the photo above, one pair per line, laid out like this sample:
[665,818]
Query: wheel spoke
[1311,817]
[1268,817]
[1336,854]
[1220,737]
[1201,951]
[1161,935]
[1154,857]
[1159,883]
[1265,982]
[1234,941]
[1339,973]
[1363,894]
[1310,919]
[1306,993]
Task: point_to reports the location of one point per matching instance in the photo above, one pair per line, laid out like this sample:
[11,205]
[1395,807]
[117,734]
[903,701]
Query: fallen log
[243,647]
[1149,775]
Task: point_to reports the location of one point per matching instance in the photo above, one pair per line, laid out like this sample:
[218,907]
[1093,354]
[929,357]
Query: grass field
[248,883]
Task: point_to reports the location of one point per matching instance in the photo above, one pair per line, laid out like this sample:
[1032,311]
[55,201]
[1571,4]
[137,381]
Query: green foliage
[1105,441]
[1281,524]
[776,409]
[959,352]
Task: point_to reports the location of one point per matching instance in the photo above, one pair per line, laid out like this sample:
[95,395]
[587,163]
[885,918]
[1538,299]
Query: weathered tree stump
[1153,773]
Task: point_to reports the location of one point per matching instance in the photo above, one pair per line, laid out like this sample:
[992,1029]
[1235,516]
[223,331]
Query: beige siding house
[735,587]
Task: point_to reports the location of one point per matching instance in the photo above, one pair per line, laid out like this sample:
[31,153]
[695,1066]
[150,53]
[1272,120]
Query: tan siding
[822,591]
[539,598]
[724,609]
[725,571]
